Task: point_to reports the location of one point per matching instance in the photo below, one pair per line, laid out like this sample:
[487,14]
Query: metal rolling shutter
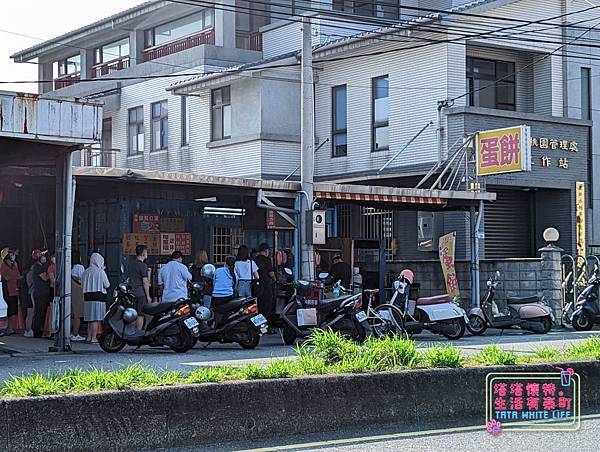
[507,225]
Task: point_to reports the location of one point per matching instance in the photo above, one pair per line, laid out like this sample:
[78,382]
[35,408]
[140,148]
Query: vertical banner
[446,249]
[580,218]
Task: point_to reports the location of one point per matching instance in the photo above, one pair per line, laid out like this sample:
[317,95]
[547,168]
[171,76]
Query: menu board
[146,223]
[152,241]
[170,224]
[170,242]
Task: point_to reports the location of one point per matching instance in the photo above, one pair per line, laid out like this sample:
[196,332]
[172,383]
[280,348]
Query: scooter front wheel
[110,342]
[476,325]
[582,322]
[289,335]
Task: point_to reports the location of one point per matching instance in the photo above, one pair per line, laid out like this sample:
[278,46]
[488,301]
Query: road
[469,437]
[20,355]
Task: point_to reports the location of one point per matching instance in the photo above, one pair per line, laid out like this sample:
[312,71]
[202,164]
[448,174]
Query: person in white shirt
[173,279]
[246,271]
[76,295]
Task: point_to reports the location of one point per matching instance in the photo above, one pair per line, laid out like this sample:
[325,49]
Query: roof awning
[425,200]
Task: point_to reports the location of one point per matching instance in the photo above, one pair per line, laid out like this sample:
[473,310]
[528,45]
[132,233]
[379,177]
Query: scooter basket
[310,293]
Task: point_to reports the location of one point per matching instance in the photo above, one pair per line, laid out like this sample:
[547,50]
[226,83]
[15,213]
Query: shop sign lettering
[503,151]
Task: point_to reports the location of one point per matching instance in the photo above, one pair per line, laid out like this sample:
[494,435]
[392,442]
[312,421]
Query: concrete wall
[241,411]
[519,277]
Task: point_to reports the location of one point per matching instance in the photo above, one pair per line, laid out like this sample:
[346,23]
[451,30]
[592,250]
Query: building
[212,91]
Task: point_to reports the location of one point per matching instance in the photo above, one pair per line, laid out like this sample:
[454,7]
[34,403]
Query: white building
[231,102]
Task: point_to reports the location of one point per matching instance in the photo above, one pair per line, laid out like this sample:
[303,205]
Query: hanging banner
[130,241]
[146,223]
[170,242]
[447,245]
[503,151]
[580,218]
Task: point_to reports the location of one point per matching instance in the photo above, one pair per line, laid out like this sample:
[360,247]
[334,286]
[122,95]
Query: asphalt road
[20,355]
[465,437]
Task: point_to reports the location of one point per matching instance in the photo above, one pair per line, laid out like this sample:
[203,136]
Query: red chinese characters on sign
[146,223]
[176,242]
[510,150]
[489,152]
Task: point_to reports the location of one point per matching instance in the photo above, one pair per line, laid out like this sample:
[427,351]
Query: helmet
[208,271]
[204,314]
[4,253]
[130,315]
[408,275]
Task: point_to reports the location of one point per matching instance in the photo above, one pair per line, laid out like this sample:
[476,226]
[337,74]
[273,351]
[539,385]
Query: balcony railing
[205,37]
[105,158]
[67,80]
[248,41]
[108,68]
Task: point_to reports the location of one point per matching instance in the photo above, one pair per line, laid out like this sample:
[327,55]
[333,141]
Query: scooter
[587,312]
[173,324]
[235,321]
[440,314]
[529,313]
[307,310]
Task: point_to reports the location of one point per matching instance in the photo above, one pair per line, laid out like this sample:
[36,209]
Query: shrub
[588,349]
[442,356]
[390,353]
[329,346]
[492,355]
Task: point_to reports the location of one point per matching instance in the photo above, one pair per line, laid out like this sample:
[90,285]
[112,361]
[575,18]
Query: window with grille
[378,224]
[225,242]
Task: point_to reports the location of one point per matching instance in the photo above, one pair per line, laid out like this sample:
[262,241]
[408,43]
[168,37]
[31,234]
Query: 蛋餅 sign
[503,151]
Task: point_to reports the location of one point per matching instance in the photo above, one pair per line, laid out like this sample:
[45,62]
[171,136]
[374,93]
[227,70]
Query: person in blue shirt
[224,282]
[173,278]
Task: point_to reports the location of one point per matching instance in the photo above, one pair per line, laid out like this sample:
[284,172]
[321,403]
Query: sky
[44,20]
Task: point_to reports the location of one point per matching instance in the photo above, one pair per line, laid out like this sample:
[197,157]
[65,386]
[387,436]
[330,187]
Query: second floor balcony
[248,40]
[67,80]
[100,70]
[198,39]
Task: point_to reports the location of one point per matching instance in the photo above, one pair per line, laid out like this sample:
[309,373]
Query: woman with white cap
[95,282]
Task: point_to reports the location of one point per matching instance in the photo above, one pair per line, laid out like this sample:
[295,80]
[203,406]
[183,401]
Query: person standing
[200,260]
[10,286]
[27,301]
[95,284]
[246,271]
[42,292]
[340,271]
[266,279]
[140,284]
[174,278]
[224,282]
[76,295]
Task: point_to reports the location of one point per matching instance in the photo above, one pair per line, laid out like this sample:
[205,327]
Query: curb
[233,411]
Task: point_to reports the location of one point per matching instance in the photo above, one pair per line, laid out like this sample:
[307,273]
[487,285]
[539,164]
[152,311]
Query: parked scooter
[439,314]
[304,313]
[529,313]
[235,321]
[587,309]
[173,324]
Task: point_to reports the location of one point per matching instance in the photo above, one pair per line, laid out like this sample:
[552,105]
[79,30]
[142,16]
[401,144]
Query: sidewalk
[27,346]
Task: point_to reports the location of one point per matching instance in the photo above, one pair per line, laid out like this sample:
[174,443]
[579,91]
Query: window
[185,121]
[160,126]
[113,51]
[491,83]
[221,113]
[251,15]
[339,121]
[586,110]
[179,28]
[136,131]
[225,242]
[69,66]
[344,220]
[378,224]
[380,113]
[385,9]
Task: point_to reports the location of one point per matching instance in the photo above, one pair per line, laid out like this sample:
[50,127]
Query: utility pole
[307,143]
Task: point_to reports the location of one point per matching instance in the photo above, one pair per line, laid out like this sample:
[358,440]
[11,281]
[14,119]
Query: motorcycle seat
[228,306]
[437,299]
[523,300]
[157,308]
[332,303]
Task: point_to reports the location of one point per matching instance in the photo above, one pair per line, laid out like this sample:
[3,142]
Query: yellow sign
[447,244]
[503,151]
[580,218]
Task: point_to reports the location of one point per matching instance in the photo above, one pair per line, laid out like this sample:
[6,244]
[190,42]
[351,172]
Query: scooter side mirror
[288,271]
[497,273]
[323,275]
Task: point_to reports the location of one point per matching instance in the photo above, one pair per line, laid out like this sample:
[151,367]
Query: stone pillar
[45,73]
[225,24]
[552,279]
[136,47]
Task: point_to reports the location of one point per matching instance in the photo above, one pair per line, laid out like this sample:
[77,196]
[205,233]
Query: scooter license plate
[191,323]
[258,320]
[361,316]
